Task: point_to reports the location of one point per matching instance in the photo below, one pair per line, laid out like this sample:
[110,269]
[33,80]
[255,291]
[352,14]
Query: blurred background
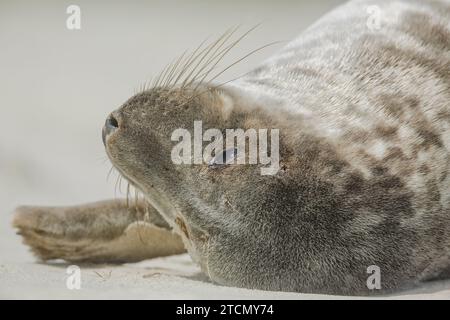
[58,85]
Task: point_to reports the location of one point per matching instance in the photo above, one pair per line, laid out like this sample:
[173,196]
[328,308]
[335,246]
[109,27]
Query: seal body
[367,129]
[363,111]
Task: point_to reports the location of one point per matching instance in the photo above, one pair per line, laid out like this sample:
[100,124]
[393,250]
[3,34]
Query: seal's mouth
[150,194]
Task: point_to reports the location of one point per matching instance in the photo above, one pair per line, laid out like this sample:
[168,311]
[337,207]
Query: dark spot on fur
[391,105]
[438,65]
[396,105]
[379,170]
[356,135]
[433,194]
[443,115]
[386,131]
[426,29]
[389,182]
[407,109]
[337,165]
[423,169]
[429,138]
[354,182]
[443,177]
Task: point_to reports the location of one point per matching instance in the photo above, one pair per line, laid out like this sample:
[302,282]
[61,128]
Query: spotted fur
[364,120]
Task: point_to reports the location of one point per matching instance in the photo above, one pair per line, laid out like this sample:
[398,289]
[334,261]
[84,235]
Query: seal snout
[111,125]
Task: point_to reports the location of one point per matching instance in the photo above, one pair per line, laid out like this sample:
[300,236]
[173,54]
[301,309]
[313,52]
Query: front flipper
[100,232]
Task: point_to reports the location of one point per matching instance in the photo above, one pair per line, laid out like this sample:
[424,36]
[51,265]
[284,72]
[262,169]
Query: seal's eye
[225,157]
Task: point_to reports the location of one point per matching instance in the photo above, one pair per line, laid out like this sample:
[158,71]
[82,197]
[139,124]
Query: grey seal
[364,121]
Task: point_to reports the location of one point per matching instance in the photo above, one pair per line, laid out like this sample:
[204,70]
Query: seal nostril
[112,122]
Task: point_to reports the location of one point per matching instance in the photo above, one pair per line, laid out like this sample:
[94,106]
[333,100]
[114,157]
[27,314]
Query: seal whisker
[161,75]
[204,55]
[224,70]
[222,56]
[172,72]
[120,184]
[243,58]
[115,186]
[215,54]
[128,194]
[110,171]
[192,57]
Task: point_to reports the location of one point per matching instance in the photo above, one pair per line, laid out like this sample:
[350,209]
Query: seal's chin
[154,197]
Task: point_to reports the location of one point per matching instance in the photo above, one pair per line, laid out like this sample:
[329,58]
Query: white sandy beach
[56,88]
